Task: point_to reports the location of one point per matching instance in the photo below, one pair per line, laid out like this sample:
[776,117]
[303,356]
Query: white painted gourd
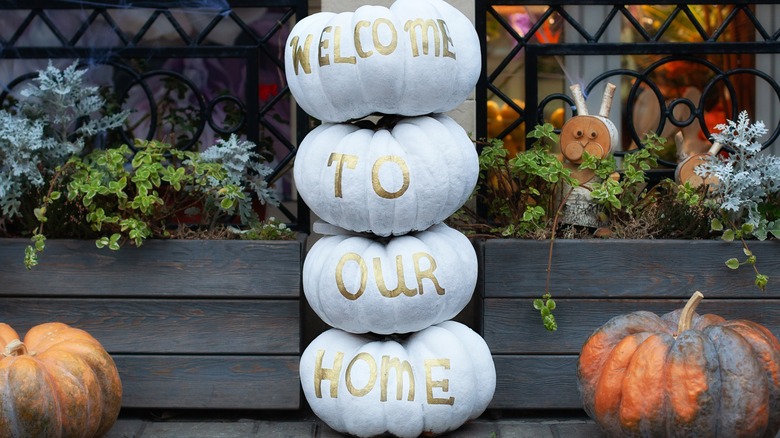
[396,285]
[430,382]
[417,57]
[387,181]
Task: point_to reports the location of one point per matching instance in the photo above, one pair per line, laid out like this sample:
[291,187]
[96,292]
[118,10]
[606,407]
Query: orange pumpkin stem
[15,348]
[686,317]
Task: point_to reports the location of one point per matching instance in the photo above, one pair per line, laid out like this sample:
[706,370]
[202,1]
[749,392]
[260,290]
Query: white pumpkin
[417,57]
[430,382]
[396,285]
[387,181]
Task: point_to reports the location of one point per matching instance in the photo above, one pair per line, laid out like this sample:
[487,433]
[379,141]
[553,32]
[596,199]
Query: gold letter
[324,60]
[375,177]
[331,374]
[351,256]
[447,41]
[382,49]
[425,26]
[358,46]
[371,375]
[342,159]
[301,55]
[428,273]
[337,58]
[380,279]
[400,369]
[444,384]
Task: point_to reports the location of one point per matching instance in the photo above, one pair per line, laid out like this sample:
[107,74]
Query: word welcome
[419,31]
[379,278]
[403,373]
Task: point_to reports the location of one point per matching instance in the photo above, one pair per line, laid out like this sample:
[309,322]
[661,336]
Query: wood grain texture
[593,281]
[611,268]
[173,268]
[536,382]
[512,326]
[190,323]
[215,382]
[169,326]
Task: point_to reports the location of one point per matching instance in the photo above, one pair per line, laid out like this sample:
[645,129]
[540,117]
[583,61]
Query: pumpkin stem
[686,317]
[15,348]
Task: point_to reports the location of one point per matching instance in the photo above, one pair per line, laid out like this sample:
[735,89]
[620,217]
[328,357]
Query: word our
[379,278]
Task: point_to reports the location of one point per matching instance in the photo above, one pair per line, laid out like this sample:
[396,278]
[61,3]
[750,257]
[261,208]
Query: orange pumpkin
[681,374]
[59,382]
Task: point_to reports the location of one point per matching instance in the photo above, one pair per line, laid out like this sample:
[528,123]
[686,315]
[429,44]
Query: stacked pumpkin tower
[390,275]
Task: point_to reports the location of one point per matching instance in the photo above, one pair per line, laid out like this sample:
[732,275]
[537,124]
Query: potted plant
[195,315]
[655,246]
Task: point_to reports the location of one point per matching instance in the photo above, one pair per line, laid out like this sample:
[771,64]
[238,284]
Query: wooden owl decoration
[596,135]
[686,169]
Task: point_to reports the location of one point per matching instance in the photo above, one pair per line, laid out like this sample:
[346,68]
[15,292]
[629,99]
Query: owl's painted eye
[593,135]
[578,133]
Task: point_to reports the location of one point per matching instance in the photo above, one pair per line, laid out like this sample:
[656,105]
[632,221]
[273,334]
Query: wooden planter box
[190,323]
[592,281]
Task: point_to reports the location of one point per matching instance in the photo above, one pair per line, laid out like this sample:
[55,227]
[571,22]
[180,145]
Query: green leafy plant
[129,196]
[245,168]
[626,195]
[269,229]
[58,116]
[117,194]
[747,192]
[521,192]
[526,194]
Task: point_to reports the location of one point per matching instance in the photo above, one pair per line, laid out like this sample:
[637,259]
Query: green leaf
[761,281]
[774,228]
[728,235]
[551,304]
[538,304]
[226,203]
[113,241]
[40,214]
[716,225]
[55,195]
[549,323]
[732,263]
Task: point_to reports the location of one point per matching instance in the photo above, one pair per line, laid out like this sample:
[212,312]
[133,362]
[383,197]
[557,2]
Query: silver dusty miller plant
[748,187]
[245,169]
[57,115]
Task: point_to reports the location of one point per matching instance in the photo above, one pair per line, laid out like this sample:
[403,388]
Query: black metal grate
[587,39]
[124,40]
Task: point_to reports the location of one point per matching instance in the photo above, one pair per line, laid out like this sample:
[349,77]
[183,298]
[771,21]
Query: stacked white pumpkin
[393,276]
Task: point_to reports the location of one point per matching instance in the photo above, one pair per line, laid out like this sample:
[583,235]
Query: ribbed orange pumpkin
[681,375]
[59,382]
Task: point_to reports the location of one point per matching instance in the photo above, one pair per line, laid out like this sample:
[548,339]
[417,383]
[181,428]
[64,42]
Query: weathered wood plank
[168,326]
[214,382]
[513,326]
[234,268]
[610,268]
[536,382]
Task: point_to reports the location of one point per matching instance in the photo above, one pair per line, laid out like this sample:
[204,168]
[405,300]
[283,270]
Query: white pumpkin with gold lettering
[417,57]
[396,285]
[428,383]
[404,174]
